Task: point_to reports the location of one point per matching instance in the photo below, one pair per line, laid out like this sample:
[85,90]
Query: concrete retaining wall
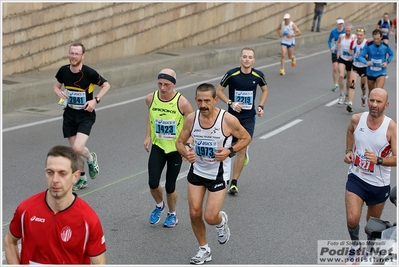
[36,36]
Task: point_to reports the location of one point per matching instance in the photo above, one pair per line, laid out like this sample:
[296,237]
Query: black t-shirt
[77,83]
[242,88]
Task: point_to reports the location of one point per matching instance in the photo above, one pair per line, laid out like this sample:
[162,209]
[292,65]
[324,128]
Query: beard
[375,113]
[75,63]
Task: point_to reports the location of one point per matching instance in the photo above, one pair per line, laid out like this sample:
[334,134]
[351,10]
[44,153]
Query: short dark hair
[377,31]
[79,44]
[205,87]
[66,152]
[248,48]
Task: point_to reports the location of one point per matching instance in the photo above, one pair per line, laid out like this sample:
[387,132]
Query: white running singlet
[285,30]
[206,142]
[377,142]
[345,45]
[356,51]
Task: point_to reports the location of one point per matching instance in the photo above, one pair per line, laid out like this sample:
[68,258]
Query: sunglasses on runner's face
[360,30]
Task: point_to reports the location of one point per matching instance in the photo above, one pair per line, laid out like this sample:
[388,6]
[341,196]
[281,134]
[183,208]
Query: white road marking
[332,103]
[279,130]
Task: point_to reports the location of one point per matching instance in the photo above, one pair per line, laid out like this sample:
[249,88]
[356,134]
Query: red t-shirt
[70,236]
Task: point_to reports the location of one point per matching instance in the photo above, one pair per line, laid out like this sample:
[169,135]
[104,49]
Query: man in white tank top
[210,155]
[358,68]
[287,31]
[371,152]
[344,61]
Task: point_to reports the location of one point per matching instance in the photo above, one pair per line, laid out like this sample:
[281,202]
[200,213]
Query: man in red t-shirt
[395,29]
[56,226]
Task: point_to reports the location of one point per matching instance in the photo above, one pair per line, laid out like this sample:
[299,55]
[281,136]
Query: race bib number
[363,164]
[76,98]
[245,97]
[376,64]
[346,53]
[165,129]
[356,56]
[205,149]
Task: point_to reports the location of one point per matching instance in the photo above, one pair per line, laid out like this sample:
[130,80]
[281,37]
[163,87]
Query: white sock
[84,177]
[90,159]
[160,205]
[206,247]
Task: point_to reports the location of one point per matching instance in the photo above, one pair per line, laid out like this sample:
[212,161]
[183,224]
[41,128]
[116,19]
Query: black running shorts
[77,121]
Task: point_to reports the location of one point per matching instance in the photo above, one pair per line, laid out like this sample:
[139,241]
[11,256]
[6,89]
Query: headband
[167,77]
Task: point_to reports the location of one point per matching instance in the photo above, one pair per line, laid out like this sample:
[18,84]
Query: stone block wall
[36,36]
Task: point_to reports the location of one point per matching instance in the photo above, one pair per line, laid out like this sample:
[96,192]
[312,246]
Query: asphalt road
[291,192]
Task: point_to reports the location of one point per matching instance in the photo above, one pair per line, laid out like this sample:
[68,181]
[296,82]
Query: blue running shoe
[171,220]
[156,214]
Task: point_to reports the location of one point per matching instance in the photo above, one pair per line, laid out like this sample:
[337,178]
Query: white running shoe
[201,257]
[364,100]
[224,230]
[346,100]
[341,100]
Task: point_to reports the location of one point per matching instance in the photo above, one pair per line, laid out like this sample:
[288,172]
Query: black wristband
[260,106]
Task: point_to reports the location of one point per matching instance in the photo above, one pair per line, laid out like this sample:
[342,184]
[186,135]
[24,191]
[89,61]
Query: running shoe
[201,257]
[80,184]
[346,100]
[171,220]
[293,62]
[335,88]
[223,231]
[341,99]
[282,72]
[349,108]
[364,98]
[94,170]
[156,214]
[233,189]
[246,160]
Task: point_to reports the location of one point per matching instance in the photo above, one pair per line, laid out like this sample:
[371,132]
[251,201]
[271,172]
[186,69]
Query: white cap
[340,21]
[287,16]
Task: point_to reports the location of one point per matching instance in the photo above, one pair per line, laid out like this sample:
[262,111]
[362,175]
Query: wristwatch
[229,102]
[97,99]
[232,152]
[379,161]
[188,145]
